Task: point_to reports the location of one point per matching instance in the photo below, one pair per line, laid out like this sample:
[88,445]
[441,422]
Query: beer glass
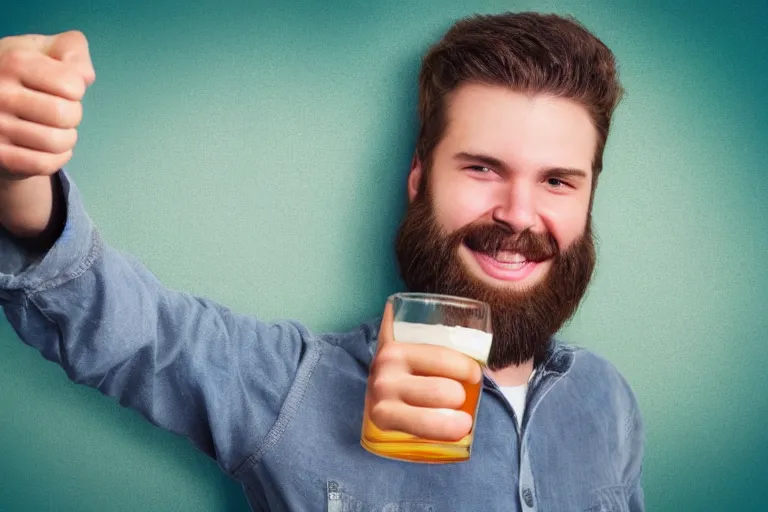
[454,322]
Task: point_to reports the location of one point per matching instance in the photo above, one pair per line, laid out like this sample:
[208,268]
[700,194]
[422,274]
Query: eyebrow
[483,159]
[498,164]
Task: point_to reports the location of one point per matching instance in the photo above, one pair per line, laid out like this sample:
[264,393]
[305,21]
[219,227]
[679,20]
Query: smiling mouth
[505,265]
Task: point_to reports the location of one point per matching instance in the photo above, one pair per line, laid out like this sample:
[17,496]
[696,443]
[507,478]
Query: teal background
[255,153]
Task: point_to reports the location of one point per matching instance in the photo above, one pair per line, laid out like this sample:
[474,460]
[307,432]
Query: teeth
[512,266]
[510,258]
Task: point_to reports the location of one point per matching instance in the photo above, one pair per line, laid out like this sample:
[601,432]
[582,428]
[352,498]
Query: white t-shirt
[516,395]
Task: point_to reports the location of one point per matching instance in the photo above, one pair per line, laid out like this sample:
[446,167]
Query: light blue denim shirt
[280,408]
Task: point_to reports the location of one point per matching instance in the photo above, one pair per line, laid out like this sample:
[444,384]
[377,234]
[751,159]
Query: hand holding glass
[456,323]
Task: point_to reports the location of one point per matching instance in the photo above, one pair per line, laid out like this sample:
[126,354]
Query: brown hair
[528,52]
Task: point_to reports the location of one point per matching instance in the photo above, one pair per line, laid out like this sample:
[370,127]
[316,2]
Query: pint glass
[453,322]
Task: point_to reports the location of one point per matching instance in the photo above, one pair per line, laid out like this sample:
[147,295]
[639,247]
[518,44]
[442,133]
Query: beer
[474,343]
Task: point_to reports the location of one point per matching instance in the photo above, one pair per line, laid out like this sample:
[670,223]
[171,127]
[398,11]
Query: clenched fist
[42,81]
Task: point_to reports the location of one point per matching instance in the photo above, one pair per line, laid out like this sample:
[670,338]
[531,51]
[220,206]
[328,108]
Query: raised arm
[189,365]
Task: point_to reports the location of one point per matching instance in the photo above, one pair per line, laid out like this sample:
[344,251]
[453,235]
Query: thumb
[72,48]
[385,330]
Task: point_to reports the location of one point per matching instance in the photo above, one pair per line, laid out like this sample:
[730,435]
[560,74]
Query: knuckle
[466,368]
[451,428]
[13,162]
[13,61]
[390,354]
[77,113]
[5,161]
[76,35]
[472,371]
[62,140]
[51,163]
[59,113]
[381,416]
[75,85]
[58,162]
[9,97]
[383,387]
[34,165]
[475,371]
[5,126]
[67,114]
[74,135]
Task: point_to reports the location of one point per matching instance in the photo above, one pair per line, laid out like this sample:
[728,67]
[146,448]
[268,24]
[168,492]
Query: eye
[555,182]
[481,169]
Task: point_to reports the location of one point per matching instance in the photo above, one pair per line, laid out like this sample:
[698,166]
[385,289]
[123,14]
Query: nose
[516,207]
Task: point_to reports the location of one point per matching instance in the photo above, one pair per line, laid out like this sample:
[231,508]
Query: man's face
[503,215]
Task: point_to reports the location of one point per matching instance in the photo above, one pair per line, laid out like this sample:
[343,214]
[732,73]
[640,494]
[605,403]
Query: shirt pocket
[340,499]
[609,499]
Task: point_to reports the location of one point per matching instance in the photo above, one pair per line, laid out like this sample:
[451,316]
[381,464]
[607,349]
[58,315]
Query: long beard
[523,321]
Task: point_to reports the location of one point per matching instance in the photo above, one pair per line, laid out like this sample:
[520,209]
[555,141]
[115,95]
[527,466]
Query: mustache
[492,238]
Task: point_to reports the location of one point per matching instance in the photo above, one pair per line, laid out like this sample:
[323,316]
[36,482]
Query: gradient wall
[255,153]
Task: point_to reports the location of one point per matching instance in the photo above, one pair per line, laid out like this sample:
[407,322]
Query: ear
[414,178]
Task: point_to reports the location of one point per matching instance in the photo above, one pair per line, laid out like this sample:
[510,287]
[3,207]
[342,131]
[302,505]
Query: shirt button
[528,497]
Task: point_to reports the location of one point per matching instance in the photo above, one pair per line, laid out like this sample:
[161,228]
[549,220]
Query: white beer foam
[472,342]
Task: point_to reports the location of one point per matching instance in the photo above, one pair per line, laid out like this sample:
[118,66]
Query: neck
[515,375]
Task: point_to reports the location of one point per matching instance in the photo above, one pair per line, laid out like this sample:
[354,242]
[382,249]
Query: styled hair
[530,53]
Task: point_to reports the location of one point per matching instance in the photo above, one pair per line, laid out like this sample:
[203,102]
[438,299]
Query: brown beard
[524,321]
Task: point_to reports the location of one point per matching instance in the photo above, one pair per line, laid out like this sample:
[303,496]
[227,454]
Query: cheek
[567,224]
[460,202]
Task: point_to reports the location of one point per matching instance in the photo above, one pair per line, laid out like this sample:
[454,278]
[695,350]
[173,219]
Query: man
[514,114]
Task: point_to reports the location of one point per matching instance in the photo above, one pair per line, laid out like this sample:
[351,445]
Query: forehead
[526,131]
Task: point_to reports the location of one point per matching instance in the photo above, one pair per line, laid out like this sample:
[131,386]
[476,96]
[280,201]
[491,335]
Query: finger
[72,48]
[434,392]
[50,76]
[432,360]
[42,73]
[20,163]
[39,107]
[433,424]
[37,42]
[385,329]
[37,136]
